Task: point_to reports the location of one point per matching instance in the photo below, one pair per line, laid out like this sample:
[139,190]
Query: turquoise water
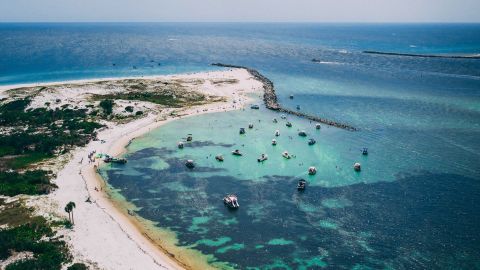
[413,205]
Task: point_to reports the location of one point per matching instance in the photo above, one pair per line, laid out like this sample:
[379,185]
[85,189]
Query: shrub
[129,109]
[107,106]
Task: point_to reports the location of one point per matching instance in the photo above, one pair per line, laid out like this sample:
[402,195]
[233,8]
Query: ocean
[414,205]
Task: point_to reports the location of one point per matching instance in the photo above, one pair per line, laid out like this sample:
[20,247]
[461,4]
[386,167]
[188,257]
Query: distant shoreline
[421,55]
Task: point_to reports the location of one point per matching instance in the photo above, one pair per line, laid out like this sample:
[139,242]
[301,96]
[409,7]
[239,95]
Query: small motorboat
[219,158]
[286,155]
[302,133]
[189,137]
[189,163]
[236,152]
[275,120]
[250,125]
[118,160]
[357,167]
[242,131]
[262,158]
[274,142]
[312,170]
[291,96]
[365,151]
[255,107]
[231,201]
[301,184]
[311,141]
[180,145]
[317,126]
[298,107]
[277,132]
[288,124]
[283,116]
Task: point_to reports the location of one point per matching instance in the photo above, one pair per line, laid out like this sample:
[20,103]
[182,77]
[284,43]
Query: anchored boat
[189,137]
[255,107]
[317,126]
[277,132]
[365,151]
[189,163]
[180,145]
[301,184]
[311,142]
[237,152]
[274,142]
[302,133]
[312,170]
[219,158]
[262,158]
[231,201]
[242,131]
[286,155]
[288,124]
[357,167]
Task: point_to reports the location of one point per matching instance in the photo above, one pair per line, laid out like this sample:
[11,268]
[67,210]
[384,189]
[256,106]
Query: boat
[302,133]
[357,167]
[298,107]
[317,126]
[365,151]
[275,120]
[283,116]
[189,163]
[277,132]
[189,137]
[250,125]
[118,160]
[288,124]
[219,158]
[180,145]
[286,155]
[242,131]
[255,107]
[301,184]
[262,158]
[312,170]
[291,96]
[231,201]
[274,142]
[236,152]
[311,141]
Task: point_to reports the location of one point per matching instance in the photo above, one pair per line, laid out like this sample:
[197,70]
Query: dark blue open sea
[414,205]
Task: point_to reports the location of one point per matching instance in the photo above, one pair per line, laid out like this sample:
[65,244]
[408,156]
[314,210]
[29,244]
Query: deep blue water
[415,204]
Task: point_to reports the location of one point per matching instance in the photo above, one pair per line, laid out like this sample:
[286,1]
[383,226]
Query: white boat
[180,145]
[286,155]
[274,142]
[262,158]
[231,201]
[317,126]
[236,152]
[219,158]
[312,170]
[357,167]
[190,164]
[277,132]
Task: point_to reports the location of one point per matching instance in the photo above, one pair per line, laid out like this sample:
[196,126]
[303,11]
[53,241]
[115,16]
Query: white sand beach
[104,236]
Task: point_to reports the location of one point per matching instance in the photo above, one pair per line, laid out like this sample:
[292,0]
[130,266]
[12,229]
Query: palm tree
[69,209]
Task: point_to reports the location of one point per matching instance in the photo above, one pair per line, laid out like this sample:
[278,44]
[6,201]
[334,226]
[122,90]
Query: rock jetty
[271,102]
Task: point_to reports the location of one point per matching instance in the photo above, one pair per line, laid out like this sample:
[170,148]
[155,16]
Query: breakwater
[271,101]
[424,55]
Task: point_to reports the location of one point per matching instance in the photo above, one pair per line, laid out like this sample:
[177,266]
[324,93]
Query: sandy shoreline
[105,236]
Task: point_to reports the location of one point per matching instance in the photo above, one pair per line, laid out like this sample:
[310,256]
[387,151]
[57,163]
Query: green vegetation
[30,183]
[167,99]
[37,237]
[107,106]
[77,266]
[129,109]
[36,134]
